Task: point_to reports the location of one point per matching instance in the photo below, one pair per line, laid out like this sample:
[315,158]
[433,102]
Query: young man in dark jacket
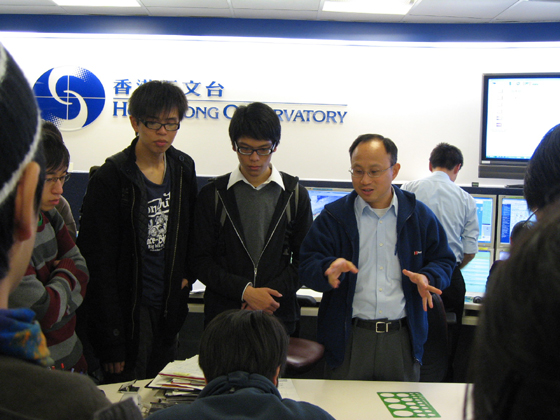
[250,224]
[373,321]
[135,224]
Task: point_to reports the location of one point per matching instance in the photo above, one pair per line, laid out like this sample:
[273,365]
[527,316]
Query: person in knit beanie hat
[29,389]
[20,144]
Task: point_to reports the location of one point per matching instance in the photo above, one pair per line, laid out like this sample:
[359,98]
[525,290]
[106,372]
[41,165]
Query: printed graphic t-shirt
[159,197]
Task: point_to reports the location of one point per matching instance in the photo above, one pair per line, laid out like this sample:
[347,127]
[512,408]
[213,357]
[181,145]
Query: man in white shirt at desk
[456,211]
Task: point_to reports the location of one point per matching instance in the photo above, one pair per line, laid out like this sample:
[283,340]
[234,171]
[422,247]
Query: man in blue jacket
[377,255]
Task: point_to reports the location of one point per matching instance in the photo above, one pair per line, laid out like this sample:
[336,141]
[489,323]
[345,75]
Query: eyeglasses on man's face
[54,179]
[248,151]
[359,173]
[155,125]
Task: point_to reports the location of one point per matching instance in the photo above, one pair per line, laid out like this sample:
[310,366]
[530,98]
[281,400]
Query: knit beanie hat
[19,124]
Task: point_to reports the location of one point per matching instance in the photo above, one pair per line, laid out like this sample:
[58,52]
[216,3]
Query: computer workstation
[496,226]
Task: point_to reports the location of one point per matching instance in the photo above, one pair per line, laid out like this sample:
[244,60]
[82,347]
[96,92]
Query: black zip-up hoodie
[113,229]
[220,258]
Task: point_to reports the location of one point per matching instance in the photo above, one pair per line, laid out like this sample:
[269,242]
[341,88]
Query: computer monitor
[476,272]
[511,210]
[502,254]
[509,102]
[486,212]
[322,196]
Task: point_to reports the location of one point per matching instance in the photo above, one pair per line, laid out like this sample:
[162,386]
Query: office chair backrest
[436,349]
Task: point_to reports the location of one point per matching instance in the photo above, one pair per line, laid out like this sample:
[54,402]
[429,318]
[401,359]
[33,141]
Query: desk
[471,313]
[196,300]
[353,400]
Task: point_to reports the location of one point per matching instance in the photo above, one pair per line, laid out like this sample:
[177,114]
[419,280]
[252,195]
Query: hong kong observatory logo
[71,97]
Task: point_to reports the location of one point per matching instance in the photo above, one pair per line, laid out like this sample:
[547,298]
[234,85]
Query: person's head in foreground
[242,353]
[247,341]
[516,362]
[21,174]
[541,185]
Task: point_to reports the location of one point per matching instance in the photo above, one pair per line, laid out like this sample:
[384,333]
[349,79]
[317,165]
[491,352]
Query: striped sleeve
[55,282]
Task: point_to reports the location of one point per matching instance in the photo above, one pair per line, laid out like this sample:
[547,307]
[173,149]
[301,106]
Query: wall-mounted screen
[511,210]
[476,272]
[517,111]
[322,196]
[486,212]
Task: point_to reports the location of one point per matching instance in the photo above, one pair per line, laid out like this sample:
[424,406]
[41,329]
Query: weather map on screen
[322,196]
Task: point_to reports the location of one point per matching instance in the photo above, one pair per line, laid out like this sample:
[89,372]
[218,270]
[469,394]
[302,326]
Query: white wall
[416,94]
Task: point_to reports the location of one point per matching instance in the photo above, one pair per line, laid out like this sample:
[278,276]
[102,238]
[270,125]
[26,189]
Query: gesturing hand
[339,266]
[424,288]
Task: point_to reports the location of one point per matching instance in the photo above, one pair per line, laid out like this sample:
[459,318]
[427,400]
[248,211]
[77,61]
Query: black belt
[380,325]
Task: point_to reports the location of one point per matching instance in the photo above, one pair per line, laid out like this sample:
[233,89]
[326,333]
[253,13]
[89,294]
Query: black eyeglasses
[248,151]
[154,125]
[53,179]
[359,173]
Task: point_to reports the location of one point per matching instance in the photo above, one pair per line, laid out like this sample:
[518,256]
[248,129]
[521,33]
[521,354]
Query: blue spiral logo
[71,97]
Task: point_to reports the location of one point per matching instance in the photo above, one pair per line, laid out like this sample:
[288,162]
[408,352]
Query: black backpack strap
[218,203]
[294,201]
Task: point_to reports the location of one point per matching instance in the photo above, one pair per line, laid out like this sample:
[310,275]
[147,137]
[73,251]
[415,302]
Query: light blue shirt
[379,293]
[453,206]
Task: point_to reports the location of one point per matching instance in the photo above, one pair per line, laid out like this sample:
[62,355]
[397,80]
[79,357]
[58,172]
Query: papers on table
[183,375]
[287,389]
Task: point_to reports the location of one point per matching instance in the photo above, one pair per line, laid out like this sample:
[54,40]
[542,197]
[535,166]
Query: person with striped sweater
[55,282]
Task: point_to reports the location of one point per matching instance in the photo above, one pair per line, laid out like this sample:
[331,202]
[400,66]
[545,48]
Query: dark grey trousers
[153,353]
[372,356]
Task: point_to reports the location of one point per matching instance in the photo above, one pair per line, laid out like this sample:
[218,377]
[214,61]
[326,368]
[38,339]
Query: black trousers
[454,301]
[454,296]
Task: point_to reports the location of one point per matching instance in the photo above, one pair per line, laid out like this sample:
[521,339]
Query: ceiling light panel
[98,3]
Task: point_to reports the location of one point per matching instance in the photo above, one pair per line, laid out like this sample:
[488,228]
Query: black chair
[435,361]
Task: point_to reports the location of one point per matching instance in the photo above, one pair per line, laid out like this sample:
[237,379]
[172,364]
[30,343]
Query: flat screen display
[512,209]
[517,111]
[486,212]
[476,272]
[322,196]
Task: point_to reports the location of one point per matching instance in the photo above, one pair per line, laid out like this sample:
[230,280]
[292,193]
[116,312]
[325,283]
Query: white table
[353,400]
[359,400]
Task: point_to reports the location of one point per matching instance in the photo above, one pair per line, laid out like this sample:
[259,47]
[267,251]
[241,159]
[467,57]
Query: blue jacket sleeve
[318,250]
